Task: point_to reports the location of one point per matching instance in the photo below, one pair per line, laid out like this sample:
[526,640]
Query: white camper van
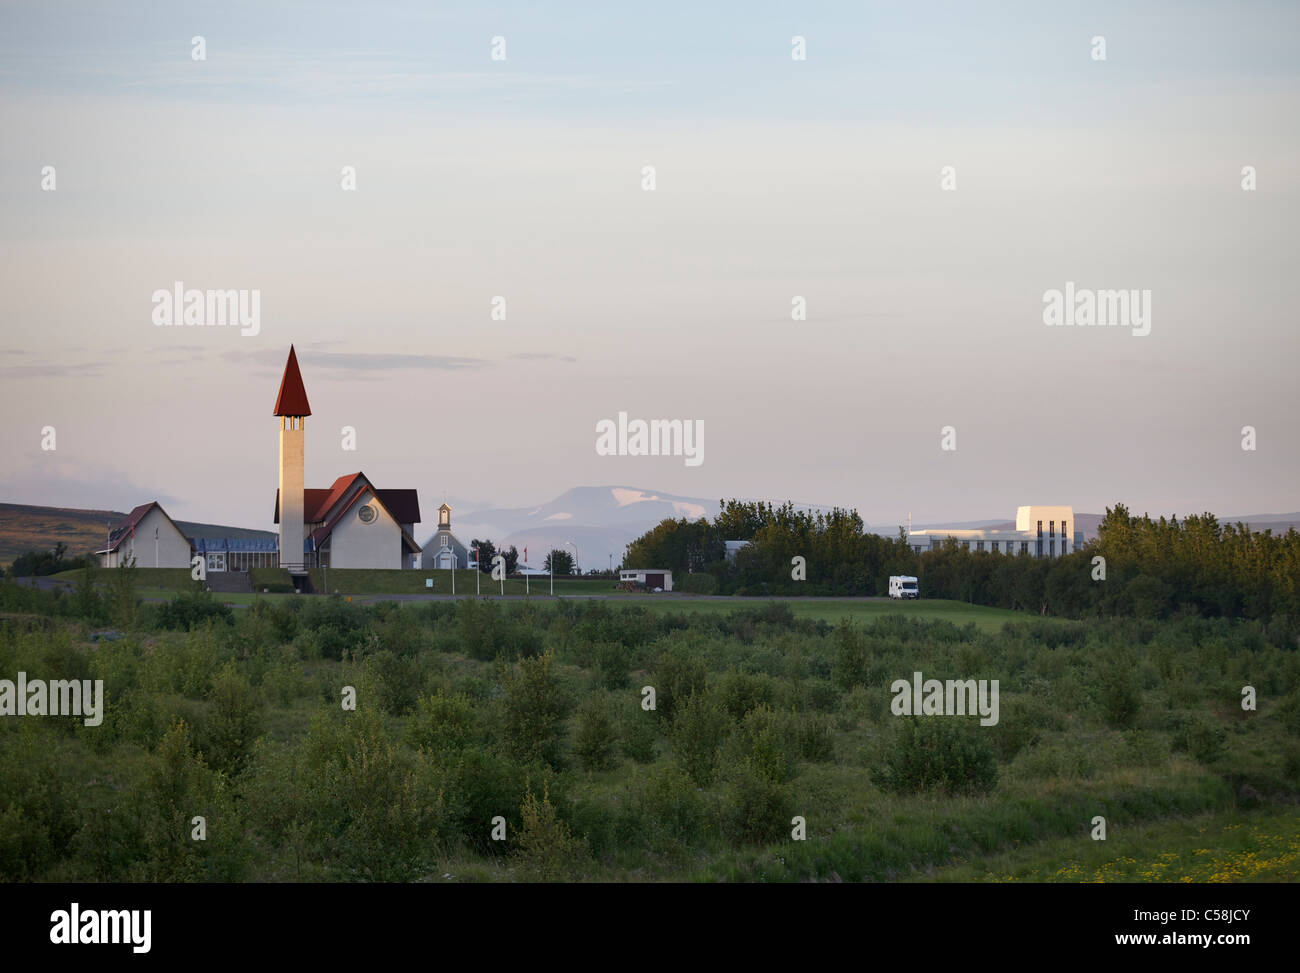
[903,586]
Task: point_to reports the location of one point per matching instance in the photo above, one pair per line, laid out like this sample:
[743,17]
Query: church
[350,524]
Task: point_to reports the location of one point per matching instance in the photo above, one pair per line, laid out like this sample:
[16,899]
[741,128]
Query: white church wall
[173,547]
[354,544]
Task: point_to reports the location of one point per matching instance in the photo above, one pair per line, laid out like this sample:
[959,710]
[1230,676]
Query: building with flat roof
[1040,531]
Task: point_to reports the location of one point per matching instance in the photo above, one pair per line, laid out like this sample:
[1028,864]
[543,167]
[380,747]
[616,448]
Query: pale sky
[774,178]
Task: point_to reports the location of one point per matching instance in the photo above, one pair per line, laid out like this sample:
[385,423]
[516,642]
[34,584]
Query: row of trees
[42,563]
[562,560]
[1150,568]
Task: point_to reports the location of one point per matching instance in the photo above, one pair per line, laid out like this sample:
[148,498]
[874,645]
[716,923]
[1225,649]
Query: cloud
[356,362]
[541,356]
[52,369]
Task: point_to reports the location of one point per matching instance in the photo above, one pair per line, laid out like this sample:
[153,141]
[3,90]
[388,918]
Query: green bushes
[546,850]
[696,583]
[233,722]
[193,610]
[442,724]
[595,744]
[699,729]
[937,754]
[533,707]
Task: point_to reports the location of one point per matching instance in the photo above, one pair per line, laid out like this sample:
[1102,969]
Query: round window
[366,514]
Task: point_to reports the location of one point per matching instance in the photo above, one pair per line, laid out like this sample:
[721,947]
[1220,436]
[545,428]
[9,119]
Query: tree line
[1150,568]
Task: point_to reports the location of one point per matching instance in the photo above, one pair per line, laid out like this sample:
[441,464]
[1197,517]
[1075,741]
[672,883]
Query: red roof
[404,505]
[292,400]
[322,533]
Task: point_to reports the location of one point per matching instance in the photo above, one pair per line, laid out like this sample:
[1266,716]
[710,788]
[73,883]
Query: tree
[512,558]
[560,562]
[486,551]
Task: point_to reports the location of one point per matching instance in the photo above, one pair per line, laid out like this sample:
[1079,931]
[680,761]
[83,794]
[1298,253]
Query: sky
[775,178]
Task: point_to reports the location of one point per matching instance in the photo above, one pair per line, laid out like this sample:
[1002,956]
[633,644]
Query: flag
[525,555]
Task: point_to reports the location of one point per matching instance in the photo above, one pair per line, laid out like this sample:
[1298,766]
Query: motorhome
[903,586]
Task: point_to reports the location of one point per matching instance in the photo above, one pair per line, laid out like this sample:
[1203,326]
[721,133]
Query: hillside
[30,528]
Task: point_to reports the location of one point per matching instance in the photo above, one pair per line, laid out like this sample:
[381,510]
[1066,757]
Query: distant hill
[601,521]
[27,528]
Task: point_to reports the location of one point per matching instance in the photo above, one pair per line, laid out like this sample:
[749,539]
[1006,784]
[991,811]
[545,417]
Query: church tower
[292,410]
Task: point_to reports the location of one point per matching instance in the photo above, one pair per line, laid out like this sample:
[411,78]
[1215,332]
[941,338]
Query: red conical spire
[292,400]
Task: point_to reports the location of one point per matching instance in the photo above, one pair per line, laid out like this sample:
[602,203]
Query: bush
[1115,676]
[1204,740]
[534,707]
[375,811]
[638,734]
[755,809]
[442,724]
[233,723]
[669,798]
[937,754]
[609,662]
[595,735]
[849,666]
[696,583]
[547,851]
[677,674]
[193,610]
[698,732]
[768,742]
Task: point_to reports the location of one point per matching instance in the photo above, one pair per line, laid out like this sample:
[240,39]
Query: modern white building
[1040,532]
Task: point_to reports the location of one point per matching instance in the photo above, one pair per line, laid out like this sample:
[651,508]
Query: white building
[149,538]
[650,577]
[1039,532]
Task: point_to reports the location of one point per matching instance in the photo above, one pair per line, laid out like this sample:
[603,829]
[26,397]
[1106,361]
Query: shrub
[768,742]
[442,724]
[638,734]
[755,809]
[937,754]
[1200,737]
[595,735]
[698,732]
[672,802]
[697,583]
[677,675]
[849,665]
[547,851]
[233,722]
[1115,676]
[193,610]
[534,707]
[395,681]
[375,810]
[609,662]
